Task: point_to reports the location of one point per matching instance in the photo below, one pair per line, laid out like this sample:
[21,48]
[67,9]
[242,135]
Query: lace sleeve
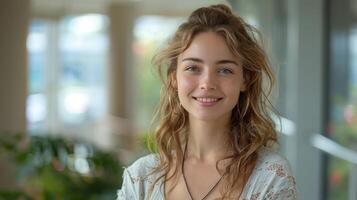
[272,179]
[282,186]
[127,191]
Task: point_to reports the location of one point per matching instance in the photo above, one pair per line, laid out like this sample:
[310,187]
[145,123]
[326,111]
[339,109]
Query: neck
[207,140]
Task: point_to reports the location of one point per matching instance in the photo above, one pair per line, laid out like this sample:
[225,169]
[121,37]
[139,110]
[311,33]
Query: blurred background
[78,92]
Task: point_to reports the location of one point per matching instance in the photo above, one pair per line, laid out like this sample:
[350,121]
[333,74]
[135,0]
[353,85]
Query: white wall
[304,90]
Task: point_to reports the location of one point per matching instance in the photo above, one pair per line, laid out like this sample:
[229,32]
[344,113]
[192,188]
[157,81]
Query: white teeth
[207,100]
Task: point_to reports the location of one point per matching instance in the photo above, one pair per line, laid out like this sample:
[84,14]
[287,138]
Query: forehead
[209,47]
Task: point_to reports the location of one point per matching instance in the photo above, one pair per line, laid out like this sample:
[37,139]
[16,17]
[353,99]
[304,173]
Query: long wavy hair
[251,125]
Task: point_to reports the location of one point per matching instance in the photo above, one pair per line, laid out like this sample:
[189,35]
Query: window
[67,73]
[342,95]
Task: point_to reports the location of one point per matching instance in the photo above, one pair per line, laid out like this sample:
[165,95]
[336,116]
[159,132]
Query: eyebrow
[218,62]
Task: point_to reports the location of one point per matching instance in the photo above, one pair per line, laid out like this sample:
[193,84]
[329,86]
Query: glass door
[341,90]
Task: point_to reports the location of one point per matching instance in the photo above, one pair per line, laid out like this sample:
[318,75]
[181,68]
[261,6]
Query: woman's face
[209,78]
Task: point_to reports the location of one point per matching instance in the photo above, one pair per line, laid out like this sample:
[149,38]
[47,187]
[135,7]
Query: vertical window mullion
[52,77]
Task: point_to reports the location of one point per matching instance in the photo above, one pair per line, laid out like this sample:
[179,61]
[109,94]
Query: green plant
[147,141]
[58,168]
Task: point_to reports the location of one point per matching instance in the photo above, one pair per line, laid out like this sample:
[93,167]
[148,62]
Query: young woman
[215,136]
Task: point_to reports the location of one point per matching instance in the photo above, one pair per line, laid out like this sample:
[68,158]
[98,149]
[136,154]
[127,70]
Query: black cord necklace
[184,177]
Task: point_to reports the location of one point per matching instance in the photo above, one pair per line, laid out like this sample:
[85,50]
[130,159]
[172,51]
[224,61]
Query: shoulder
[143,167]
[268,158]
[144,163]
[272,177]
[138,179]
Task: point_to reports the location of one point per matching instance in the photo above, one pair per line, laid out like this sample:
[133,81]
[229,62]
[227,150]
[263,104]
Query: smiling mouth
[207,99]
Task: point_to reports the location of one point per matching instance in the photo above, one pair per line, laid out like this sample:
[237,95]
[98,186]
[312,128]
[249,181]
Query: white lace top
[270,179]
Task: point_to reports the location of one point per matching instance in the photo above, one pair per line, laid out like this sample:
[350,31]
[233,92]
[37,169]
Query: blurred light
[36,42]
[151,27]
[81,165]
[284,125]
[86,24]
[36,109]
[83,33]
[76,101]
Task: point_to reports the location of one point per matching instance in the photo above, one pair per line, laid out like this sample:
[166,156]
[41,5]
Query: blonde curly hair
[251,125]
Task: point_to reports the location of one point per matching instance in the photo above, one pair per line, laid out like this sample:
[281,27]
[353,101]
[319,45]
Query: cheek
[235,93]
[185,84]
[234,89]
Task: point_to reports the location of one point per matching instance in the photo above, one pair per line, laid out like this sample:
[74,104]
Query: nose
[208,81]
